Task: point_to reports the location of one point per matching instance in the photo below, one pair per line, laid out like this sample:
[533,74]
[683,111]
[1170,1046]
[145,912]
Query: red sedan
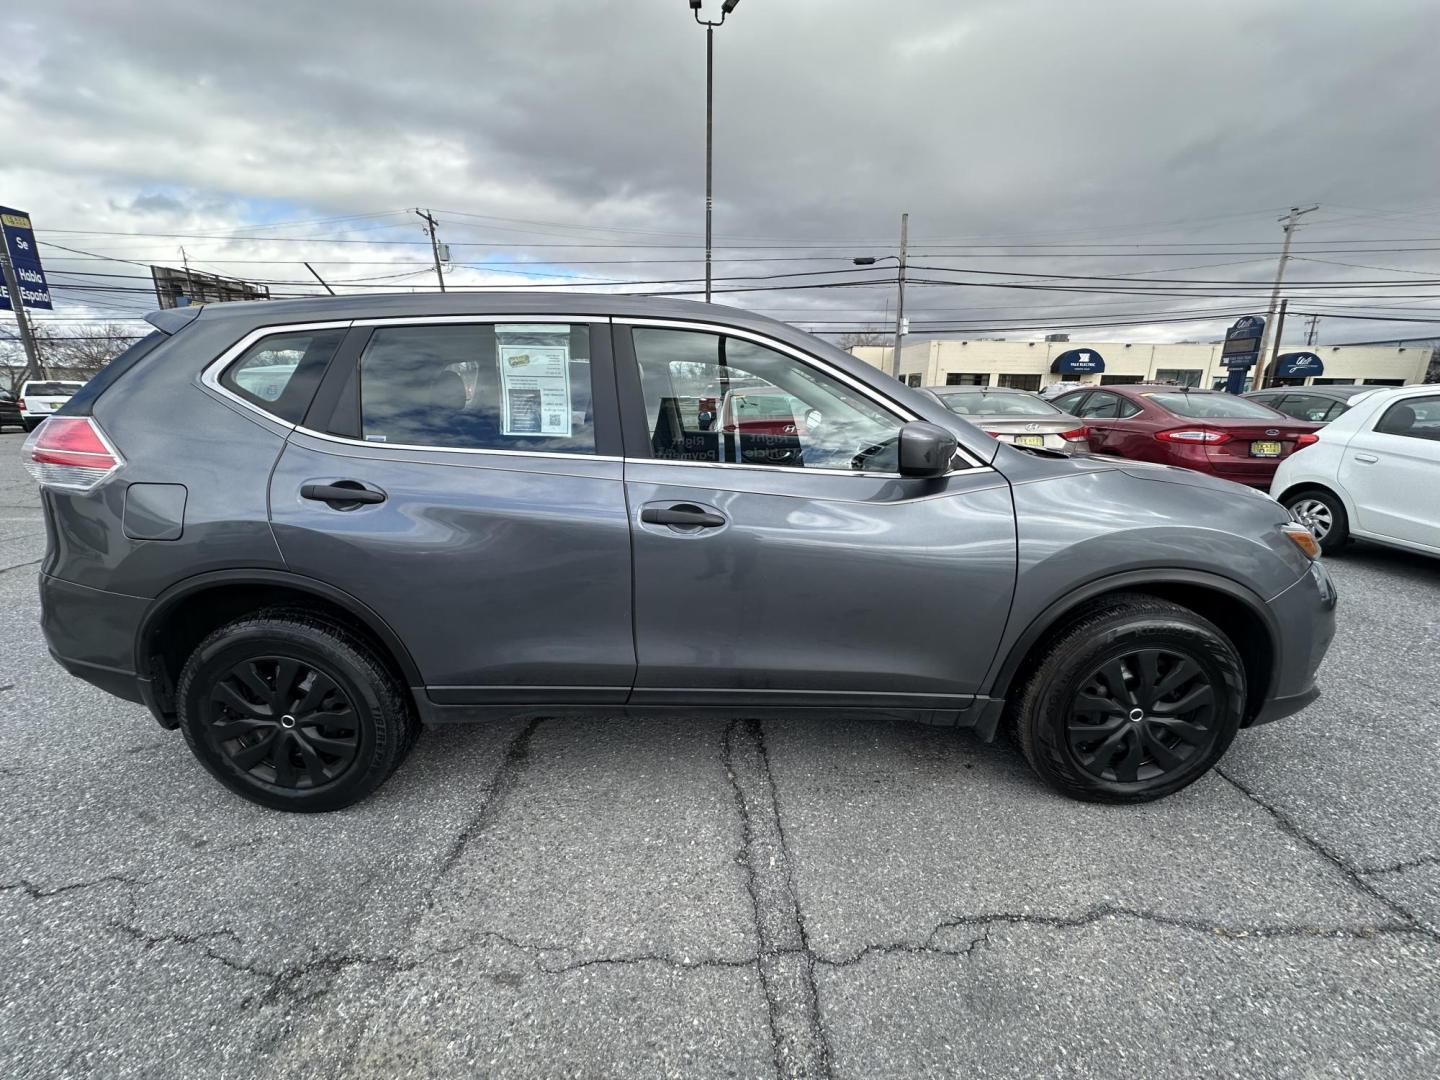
[1206,430]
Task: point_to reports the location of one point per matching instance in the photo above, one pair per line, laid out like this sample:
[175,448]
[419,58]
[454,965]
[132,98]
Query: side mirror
[926,450]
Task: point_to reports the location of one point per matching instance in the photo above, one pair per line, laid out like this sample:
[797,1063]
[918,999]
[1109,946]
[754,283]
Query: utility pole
[1312,333]
[429,220]
[1269,368]
[1291,222]
[320,279]
[900,298]
[33,366]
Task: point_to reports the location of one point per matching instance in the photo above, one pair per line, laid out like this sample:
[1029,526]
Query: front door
[782,562]
[463,480]
[1389,466]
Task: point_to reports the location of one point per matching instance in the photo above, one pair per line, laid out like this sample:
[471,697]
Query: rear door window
[482,386]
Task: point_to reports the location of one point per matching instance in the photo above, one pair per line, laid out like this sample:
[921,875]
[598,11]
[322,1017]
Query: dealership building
[1030,365]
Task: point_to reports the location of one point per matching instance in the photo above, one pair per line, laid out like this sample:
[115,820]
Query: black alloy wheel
[293,710]
[283,722]
[1142,716]
[1131,699]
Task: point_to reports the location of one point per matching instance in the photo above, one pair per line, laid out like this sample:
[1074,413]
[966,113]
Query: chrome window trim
[210,379]
[210,376]
[453,449]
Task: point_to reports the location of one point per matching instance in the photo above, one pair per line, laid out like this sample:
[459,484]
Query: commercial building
[1030,365]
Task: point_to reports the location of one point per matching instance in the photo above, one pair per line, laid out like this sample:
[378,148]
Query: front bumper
[1305,617]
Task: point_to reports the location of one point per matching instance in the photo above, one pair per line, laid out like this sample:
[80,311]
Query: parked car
[1374,473]
[40,398]
[1205,430]
[298,582]
[1014,416]
[1053,390]
[1313,404]
[10,414]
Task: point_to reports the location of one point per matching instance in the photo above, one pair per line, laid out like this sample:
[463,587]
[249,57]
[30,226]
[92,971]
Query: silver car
[1015,416]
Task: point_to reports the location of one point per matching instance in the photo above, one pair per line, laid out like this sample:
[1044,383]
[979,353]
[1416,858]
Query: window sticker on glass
[534,378]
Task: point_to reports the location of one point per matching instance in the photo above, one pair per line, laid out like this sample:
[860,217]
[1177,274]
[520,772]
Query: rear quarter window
[280,372]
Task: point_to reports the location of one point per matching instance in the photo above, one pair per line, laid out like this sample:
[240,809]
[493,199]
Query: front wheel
[294,712]
[1133,700]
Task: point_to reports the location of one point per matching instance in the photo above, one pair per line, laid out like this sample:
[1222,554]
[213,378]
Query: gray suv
[300,530]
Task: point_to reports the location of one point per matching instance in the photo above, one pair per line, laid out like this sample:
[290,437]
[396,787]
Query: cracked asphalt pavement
[676,898]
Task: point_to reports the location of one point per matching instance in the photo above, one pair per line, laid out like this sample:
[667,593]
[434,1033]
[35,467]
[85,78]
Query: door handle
[343,491]
[681,515]
[1368,459]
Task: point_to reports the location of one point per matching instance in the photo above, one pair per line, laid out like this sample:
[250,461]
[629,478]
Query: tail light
[70,452]
[1080,434]
[1193,435]
[22,404]
[1306,438]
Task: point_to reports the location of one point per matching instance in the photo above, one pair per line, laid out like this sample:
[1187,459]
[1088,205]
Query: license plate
[1030,440]
[1266,449]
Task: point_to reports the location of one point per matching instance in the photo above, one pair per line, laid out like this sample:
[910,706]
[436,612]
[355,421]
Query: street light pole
[725,9]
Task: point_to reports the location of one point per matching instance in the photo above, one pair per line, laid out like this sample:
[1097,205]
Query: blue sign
[1078,362]
[25,258]
[1241,350]
[1298,365]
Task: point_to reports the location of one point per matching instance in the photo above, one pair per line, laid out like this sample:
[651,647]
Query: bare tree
[863,339]
[67,352]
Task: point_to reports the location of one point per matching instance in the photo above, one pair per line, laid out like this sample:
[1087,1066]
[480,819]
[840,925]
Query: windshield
[1218,406]
[974,403]
[65,388]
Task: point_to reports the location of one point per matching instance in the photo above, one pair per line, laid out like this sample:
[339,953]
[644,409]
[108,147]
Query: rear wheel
[1323,514]
[29,424]
[294,712]
[1134,700]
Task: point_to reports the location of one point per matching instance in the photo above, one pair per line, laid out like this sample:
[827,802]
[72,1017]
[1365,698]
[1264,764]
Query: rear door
[462,477]
[1391,470]
[827,580]
[1114,426]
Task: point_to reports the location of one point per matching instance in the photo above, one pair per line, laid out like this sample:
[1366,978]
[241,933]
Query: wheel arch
[188,610]
[1311,484]
[1240,613]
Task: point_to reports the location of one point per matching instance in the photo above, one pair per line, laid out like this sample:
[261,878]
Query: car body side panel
[1103,522]
[170,431]
[843,588]
[507,576]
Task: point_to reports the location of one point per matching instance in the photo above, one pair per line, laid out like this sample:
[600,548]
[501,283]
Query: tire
[294,712]
[29,425]
[1323,514]
[1076,715]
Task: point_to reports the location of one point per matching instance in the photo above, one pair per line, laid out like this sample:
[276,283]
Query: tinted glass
[1020,382]
[998,403]
[1418,418]
[279,373]
[53,389]
[1069,402]
[502,386]
[699,389]
[1309,407]
[1101,406]
[1208,405]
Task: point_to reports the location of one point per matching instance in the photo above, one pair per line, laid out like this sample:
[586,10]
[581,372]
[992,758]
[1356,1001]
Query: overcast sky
[1028,138]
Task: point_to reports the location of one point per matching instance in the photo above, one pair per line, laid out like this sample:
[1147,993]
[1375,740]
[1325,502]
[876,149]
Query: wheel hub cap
[283,723]
[1142,717]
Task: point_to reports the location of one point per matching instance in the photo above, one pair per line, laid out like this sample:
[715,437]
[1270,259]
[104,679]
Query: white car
[1374,473]
[41,397]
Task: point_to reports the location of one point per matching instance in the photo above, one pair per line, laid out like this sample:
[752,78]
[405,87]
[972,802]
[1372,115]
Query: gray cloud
[1005,122]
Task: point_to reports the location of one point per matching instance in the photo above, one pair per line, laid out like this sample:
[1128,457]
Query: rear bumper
[1305,617]
[91,634]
